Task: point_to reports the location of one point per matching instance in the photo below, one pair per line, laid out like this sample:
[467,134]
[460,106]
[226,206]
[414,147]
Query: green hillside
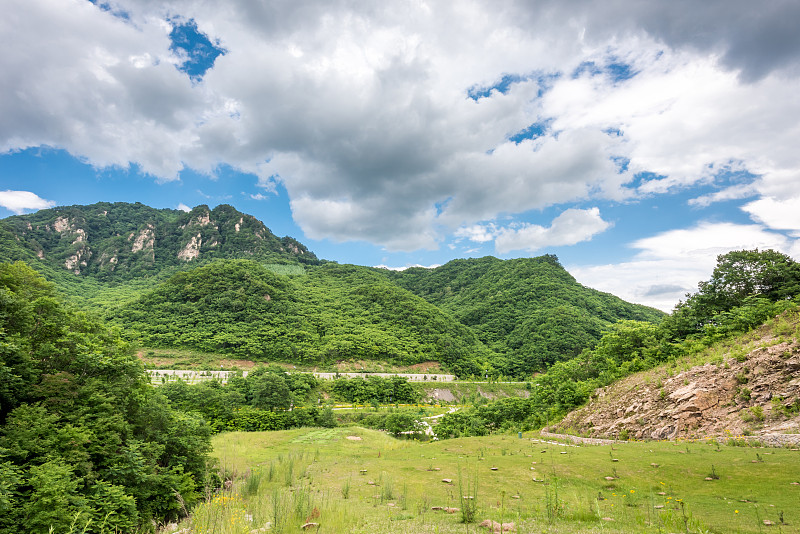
[531,311]
[336,312]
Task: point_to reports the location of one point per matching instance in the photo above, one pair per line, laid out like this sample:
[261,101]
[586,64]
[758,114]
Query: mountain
[336,312]
[121,241]
[168,279]
[530,310]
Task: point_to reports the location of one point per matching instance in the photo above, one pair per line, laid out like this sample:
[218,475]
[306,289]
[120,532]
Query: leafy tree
[738,276]
[54,500]
[743,273]
[270,392]
[401,421]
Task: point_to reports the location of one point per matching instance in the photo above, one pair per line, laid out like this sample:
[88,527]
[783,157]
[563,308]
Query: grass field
[353,480]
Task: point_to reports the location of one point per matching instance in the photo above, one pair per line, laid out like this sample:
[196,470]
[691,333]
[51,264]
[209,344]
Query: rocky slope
[750,390]
[120,240]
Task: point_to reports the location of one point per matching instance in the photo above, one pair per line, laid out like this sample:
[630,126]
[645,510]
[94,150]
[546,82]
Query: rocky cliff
[122,240]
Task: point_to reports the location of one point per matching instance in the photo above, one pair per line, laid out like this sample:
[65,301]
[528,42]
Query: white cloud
[670,264]
[479,233]
[184,207]
[684,119]
[703,242]
[569,228]
[103,89]
[362,111]
[19,201]
[729,193]
[783,214]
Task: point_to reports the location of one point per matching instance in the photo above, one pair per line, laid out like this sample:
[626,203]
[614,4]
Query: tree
[84,438]
[270,392]
[738,276]
[743,273]
[399,422]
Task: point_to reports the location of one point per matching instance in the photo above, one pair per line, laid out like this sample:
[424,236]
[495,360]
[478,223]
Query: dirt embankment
[755,394]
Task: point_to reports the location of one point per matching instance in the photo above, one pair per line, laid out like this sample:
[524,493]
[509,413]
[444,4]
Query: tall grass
[404,489]
[468,496]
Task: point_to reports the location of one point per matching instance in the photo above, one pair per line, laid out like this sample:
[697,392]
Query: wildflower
[736,511]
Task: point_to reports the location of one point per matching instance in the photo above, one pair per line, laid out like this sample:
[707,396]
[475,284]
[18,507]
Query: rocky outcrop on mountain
[755,392]
[122,240]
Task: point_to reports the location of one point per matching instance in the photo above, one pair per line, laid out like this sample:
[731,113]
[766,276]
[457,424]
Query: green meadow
[352,480]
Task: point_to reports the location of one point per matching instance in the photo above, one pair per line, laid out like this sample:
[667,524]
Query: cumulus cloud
[102,88]
[398,123]
[670,264]
[569,228]
[783,214]
[19,201]
[184,207]
[479,233]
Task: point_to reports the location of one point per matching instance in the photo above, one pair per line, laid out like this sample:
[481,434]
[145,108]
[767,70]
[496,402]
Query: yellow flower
[736,511]
[633,491]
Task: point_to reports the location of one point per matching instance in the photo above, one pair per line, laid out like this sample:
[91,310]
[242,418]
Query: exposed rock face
[192,248]
[71,231]
[61,224]
[145,240]
[201,219]
[759,394]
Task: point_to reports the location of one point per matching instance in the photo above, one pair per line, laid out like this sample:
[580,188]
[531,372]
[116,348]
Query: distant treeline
[271,399]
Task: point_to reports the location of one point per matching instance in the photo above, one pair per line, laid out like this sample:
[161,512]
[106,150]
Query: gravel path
[768,440]
[578,439]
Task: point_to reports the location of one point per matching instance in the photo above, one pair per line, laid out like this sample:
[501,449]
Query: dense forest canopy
[83,436]
[519,318]
[335,312]
[531,311]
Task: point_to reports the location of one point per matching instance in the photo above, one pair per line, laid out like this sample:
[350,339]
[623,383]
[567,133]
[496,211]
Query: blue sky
[634,141]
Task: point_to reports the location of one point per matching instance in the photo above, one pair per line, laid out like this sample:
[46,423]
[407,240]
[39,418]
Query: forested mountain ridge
[336,312]
[529,310]
[167,279]
[120,241]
